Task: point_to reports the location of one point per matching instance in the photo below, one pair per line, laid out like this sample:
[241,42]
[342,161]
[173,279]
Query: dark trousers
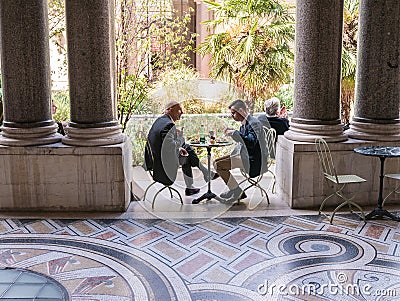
[191,161]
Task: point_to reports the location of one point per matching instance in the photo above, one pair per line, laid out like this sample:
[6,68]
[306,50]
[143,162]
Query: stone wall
[300,181]
[65,178]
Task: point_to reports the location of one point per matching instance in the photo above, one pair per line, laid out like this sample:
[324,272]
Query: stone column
[377,101]
[317,71]
[25,67]
[91,66]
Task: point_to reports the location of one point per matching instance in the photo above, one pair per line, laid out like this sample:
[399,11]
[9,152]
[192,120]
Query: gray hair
[272,106]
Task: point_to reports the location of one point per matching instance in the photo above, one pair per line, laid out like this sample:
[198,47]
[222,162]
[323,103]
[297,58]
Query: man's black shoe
[215,176]
[191,191]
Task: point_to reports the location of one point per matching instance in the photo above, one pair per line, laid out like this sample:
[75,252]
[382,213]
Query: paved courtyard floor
[251,251]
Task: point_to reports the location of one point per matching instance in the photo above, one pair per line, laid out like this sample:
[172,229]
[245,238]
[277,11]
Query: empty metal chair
[394,176]
[339,181]
[270,136]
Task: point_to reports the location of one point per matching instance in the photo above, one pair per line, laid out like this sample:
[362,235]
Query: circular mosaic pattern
[304,252]
[348,284]
[91,270]
[20,284]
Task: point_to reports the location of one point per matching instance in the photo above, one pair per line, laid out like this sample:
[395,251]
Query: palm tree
[251,46]
[349,58]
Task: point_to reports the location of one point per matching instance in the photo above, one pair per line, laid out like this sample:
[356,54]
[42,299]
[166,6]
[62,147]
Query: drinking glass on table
[211,135]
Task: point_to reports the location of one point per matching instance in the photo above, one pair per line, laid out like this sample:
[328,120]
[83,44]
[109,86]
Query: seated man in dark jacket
[250,153]
[168,148]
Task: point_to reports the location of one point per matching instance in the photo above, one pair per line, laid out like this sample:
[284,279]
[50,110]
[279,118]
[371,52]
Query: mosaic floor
[249,258]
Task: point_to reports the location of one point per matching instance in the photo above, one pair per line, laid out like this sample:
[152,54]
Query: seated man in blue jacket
[166,147]
[250,153]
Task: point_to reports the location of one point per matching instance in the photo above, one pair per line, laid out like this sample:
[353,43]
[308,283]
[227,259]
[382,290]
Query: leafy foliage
[57,26]
[133,98]
[286,95]
[56,12]
[197,96]
[150,39]
[349,58]
[251,46]
[350,30]
[61,100]
[174,83]
[140,126]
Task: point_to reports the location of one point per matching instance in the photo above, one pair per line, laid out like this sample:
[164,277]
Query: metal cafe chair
[339,181]
[394,176]
[270,136]
[150,171]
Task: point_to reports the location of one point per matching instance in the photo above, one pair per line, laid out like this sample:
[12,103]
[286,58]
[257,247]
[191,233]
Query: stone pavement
[205,252]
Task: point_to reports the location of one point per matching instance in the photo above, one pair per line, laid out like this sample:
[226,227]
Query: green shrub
[139,126]
[137,129]
[286,96]
[61,100]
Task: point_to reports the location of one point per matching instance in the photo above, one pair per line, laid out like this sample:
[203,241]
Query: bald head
[174,110]
[170,104]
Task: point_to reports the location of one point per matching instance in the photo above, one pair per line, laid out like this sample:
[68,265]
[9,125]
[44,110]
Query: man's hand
[179,132]
[229,131]
[183,152]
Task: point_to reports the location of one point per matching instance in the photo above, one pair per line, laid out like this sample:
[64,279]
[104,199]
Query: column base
[308,132]
[93,136]
[374,131]
[11,136]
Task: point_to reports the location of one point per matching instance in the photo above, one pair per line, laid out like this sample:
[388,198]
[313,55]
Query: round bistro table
[209,146]
[382,152]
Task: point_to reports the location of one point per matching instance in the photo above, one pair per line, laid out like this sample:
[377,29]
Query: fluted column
[317,71]
[25,67]
[377,101]
[91,69]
